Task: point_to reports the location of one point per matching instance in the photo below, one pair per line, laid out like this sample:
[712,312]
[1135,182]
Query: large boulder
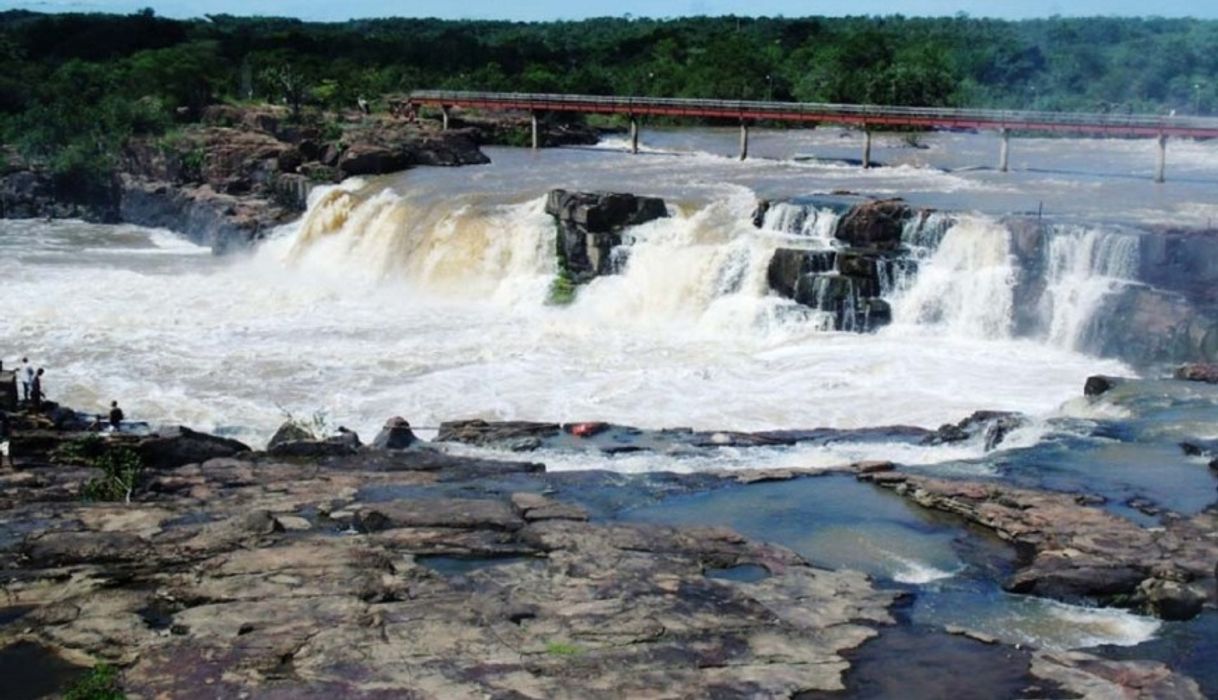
[590,225]
[372,159]
[176,447]
[876,224]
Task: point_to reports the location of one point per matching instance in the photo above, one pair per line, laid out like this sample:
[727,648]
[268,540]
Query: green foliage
[562,290]
[563,649]
[80,452]
[74,88]
[121,468]
[101,683]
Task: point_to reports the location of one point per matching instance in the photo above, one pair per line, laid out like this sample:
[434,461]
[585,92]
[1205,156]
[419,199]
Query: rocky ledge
[361,574]
[1075,551]
[590,229]
[242,171]
[399,570]
[870,254]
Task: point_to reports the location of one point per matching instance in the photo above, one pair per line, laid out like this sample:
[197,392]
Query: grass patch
[101,683]
[563,649]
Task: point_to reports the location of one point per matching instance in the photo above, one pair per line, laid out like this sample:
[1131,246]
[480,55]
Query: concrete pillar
[536,133]
[1161,171]
[444,118]
[744,140]
[1004,160]
[634,134]
[866,148]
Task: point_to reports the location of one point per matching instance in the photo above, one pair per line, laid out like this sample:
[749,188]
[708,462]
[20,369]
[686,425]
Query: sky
[337,10]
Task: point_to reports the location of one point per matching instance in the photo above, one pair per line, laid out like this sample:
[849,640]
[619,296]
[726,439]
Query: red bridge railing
[863,116]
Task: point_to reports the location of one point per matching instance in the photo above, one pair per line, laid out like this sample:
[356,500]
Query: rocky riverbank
[240,172]
[324,567]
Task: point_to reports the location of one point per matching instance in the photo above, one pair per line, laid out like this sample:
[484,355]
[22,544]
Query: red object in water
[585,430]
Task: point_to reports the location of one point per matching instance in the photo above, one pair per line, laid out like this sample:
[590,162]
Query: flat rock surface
[250,576]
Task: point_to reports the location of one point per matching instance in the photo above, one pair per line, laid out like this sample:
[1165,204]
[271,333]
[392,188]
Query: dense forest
[74,87]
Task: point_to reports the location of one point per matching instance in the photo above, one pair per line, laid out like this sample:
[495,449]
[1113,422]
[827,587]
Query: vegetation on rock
[121,468]
[101,683]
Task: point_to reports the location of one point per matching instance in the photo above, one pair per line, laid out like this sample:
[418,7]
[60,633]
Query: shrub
[121,468]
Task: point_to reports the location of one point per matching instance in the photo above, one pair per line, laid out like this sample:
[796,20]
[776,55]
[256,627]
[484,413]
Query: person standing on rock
[36,394]
[116,416]
[6,435]
[26,374]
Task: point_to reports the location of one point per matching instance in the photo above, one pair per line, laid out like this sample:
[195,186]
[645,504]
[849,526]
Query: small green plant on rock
[562,290]
[315,427]
[101,683]
[121,468]
[563,649]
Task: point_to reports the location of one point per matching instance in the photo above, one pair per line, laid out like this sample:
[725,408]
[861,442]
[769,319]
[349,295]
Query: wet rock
[395,435]
[1078,674]
[224,222]
[876,224]
[533,507]
[179,446]
[590,225]
[1198,372]
[1098,384]
[520,436]
[288,431]
[1078,552]
[1172,600]
[992,427]
[789,265]
[372,159]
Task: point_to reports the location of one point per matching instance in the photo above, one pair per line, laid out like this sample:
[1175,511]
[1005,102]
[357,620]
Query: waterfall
[804,220]
[965,286]
[1082,266]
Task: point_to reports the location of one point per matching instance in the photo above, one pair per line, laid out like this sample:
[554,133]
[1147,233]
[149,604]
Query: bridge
[862,117]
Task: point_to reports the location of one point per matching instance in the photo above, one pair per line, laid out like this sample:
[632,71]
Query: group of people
[32,394]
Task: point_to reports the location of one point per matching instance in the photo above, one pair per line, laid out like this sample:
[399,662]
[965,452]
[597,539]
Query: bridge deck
[854,115]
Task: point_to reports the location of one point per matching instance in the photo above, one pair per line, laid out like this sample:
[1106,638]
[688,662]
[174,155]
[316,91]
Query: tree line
[74,86]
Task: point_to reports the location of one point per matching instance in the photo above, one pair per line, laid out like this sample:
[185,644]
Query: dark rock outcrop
[1098,385]
[991,426]
[590,225]
[395,435]
[848,282]
[173,448]
[876,224]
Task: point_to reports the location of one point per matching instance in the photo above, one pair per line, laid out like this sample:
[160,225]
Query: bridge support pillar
[444,118]
[1161,170]
[866,148]
[744,140]
[536,132]
[634,134]
[1004,158]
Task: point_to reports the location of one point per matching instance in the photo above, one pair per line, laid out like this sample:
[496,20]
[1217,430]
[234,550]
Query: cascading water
[1082,266]
[804,220]
[965,287]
